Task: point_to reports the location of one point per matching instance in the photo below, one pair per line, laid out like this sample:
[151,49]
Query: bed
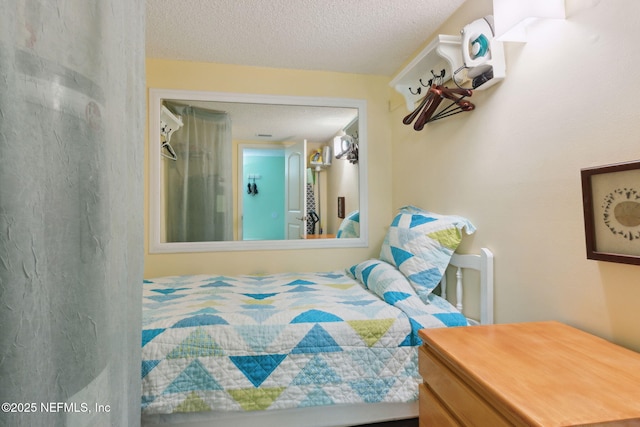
[306,349]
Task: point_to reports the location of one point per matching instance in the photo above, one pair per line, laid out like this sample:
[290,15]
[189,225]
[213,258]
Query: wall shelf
[443,53]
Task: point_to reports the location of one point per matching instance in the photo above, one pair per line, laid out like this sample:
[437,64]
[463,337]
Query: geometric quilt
[276,341]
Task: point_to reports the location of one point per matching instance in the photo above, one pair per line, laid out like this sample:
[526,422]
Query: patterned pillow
[362,272]
[392,286]
[350,225]
[420,244]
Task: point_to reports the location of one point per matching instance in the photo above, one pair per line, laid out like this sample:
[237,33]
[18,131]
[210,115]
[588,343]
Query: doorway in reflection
[279,190]
[262,187]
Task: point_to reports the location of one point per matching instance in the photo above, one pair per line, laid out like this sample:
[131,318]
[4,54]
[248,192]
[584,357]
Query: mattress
[293,340]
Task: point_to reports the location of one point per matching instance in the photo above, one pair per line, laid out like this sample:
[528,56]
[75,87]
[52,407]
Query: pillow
[350,225]
[420,244]
[392,286]
[384,277]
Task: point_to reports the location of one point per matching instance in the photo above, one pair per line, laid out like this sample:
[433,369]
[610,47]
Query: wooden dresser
[526,374]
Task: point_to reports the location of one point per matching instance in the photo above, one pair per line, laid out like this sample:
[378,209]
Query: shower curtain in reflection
[71,246]
[198,193]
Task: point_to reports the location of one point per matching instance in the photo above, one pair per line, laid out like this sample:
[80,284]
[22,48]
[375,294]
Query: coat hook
[252,187]
[439,78]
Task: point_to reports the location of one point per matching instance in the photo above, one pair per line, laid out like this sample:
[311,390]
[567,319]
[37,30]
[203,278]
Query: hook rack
[444,53]
[441,54]
[252,187]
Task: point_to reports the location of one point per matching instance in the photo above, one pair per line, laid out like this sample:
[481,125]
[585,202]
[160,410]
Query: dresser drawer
[461,401]
[432,413]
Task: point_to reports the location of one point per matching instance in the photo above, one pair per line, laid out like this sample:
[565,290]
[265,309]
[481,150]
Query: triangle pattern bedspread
[217,343]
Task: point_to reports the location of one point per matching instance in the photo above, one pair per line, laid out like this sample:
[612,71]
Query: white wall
[512,166]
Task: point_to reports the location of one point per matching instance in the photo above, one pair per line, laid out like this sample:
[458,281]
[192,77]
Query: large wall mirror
[250,172]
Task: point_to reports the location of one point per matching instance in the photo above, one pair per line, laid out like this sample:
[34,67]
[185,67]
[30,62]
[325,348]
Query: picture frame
[611,202]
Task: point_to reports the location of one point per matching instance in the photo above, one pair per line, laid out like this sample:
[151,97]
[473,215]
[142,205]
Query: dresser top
[543,373]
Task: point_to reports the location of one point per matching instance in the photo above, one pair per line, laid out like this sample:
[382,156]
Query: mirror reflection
[234,171]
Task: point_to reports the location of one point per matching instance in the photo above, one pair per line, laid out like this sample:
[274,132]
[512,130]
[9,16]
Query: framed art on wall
[611,200]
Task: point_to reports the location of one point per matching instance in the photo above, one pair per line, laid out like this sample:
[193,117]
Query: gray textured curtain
[199,200]
[71,245]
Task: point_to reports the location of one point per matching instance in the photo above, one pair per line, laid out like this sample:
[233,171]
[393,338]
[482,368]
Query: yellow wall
[512,166]
[229,78]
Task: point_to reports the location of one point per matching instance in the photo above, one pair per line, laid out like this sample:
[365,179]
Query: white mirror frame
[157,246]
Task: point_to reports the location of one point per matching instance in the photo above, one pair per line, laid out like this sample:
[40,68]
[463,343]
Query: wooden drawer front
[432,413]
[461,400]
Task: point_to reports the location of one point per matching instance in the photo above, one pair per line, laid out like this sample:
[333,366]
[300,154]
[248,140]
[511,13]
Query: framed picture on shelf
[611,200]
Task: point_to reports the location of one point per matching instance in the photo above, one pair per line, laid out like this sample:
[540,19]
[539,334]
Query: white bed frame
[346,415]
[483,263]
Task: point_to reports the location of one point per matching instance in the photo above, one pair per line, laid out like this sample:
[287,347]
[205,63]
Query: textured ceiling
[353,36]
